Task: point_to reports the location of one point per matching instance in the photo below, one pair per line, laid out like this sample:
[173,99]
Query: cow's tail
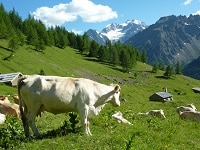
[22,105]
[20,83]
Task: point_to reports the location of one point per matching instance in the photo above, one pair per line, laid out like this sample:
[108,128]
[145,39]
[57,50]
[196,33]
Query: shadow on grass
[163,77]
[104,63]
[7,49]
[63,130]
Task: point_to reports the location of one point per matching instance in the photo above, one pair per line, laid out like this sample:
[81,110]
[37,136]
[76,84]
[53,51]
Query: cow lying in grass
[8,108]
[189,107]
[2,118]
[16,98]
[191,115]
[61,95]
[4,99]
[159,113]
[118,116]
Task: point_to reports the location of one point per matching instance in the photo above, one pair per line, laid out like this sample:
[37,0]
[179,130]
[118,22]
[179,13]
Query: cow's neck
[103,99]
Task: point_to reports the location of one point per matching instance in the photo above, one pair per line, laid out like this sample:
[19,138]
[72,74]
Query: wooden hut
[10,78]
[161,97]
[196,90]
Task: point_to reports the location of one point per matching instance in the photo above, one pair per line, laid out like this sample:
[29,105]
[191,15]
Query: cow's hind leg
[31,120]
[25,122]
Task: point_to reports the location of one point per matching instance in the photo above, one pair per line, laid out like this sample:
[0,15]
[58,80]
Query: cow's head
[192,106]
[116,93]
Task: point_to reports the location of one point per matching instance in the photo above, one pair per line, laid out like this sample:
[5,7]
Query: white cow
[192,115]
[189,107]
[159,113]
[61,95]
[2,118]
[118,116]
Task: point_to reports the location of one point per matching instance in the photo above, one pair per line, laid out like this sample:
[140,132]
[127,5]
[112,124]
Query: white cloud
[187,2]
[85,9]
[77,31]
[197,13]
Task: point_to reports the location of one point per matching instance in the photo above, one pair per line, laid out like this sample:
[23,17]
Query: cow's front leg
[83,112]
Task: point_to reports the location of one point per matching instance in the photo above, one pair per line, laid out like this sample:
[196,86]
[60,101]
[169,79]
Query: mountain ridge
[117,32]
[170,40]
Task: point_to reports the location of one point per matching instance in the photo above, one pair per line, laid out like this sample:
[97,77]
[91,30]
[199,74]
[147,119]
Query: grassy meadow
[146,133]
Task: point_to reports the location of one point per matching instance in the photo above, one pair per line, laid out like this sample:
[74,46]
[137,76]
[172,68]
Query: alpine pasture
[147,132]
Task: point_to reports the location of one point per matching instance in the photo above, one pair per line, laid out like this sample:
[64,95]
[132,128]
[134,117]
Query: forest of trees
[34,32]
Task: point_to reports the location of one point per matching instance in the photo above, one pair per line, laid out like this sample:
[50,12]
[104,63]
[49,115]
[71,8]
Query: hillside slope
[193,69]
[136,87]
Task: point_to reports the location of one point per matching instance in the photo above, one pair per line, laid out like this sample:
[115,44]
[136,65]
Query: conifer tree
[155,67]
[93,50]
[169,71]
[125,60]
[178,69]
[143,56]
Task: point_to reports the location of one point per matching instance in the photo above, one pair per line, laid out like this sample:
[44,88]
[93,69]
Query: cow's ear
[117,88]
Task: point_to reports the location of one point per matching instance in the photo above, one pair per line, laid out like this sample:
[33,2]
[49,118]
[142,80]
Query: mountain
[98,37]
[117,32]
[170,39]
[193,69]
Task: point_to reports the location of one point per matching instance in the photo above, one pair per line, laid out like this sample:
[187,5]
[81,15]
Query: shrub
[11,134]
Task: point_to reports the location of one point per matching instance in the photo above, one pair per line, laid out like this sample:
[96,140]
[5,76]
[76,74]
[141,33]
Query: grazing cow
[61,95]
[159,113]
[2,118]
[10,109]
[192,115]
[189,107]
[4,99]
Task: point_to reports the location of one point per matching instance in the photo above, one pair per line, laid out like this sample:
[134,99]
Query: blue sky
[81,15]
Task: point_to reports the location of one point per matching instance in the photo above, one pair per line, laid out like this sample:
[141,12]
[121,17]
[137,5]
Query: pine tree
[13,43]
[80,43]
[102,53]
[125,60]
[3,29]
[178,69]
[86,43]
[155,67]
[93,50]
[143,56]
[169,71]
[161,66]
[72,40]
[114,56]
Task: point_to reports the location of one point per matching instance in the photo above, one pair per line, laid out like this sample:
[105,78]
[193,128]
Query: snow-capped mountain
[98,37]
[117,32]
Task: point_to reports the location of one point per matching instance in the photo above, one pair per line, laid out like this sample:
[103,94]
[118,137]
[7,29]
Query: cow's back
[51,93]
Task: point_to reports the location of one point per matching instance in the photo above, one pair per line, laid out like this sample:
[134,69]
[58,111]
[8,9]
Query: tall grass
[145,133]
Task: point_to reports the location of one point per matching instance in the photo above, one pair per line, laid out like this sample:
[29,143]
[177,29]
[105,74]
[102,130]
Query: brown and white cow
[4,99]
[10,109]
[56,95]
[16,98]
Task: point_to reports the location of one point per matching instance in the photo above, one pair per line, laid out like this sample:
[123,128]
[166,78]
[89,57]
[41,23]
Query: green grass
[145,133]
